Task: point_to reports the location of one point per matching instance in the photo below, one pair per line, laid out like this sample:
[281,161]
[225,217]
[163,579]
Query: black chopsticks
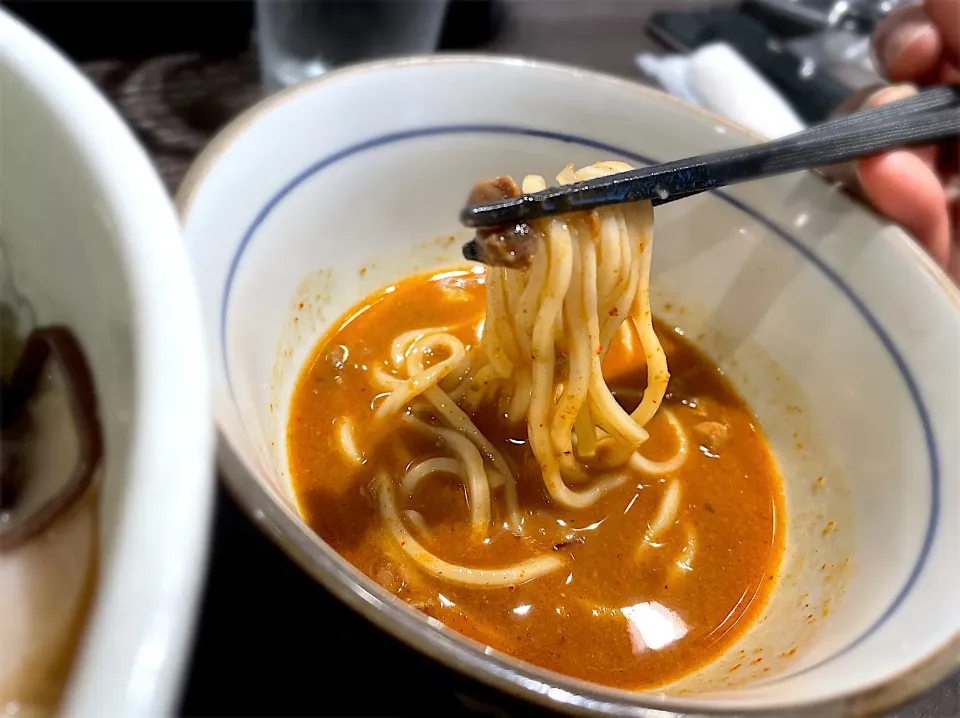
[930,116]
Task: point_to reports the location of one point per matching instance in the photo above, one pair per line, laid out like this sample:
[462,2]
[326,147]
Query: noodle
[666,514]
[414,477]
[685,563]
[478,486]
[415,519]
[422,378]
[348,443]
[545,334]
[586,267]
[482,577]
[639,462]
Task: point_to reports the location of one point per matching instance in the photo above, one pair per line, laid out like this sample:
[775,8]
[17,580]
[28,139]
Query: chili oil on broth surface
[623,611]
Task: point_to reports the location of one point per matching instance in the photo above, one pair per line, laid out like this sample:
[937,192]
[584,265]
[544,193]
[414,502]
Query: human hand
[920,188]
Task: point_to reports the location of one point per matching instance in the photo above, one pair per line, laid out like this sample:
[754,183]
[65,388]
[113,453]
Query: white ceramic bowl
[92,241]
[842,336]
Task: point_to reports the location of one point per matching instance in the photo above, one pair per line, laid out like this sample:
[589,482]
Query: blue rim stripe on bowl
[888,344]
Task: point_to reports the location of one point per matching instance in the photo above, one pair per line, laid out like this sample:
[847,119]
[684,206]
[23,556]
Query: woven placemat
[176,103]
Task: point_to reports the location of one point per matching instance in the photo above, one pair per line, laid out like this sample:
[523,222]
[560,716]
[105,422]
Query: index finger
[907,44]
[945,15]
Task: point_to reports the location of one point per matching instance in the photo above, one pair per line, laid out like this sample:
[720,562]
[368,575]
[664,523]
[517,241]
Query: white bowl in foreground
[841,335]
[92,242]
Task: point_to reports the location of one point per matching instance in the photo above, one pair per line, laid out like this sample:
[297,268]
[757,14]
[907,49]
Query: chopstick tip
[471,251]
[468,216]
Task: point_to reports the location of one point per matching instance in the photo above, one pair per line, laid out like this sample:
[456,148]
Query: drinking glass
[298,39]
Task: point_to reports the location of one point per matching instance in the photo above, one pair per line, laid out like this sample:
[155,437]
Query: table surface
[271,641]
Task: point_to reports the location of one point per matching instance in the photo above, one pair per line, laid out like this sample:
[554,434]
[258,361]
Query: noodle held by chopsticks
[547,329]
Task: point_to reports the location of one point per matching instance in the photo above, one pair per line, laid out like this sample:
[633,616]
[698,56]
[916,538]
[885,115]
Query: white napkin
[717,78]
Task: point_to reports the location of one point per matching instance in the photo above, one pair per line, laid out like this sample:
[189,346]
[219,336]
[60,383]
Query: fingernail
[893,93]
[901,39]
